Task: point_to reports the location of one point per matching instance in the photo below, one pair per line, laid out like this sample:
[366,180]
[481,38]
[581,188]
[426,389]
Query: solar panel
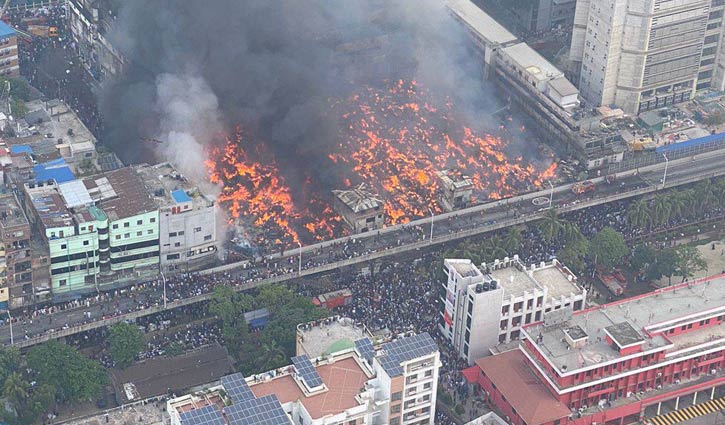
[365,348]
[207,415]
[405,349]
[261,411]
[236,387]
[307,371]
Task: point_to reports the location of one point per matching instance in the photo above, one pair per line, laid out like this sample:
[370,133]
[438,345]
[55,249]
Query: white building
[394,383]
[483,309]
[646,54]
[187,218]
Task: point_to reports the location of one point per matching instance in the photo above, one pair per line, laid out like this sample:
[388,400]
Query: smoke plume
[197,68]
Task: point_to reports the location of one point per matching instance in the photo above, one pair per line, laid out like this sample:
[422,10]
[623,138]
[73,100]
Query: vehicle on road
[583,187]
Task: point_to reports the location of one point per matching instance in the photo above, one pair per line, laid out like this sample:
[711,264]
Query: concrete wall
[187,239]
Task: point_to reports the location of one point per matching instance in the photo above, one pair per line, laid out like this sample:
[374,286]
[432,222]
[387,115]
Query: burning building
[361,209]
[456,190]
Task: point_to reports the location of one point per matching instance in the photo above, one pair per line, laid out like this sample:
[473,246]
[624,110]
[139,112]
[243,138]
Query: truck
[333,299]
[581,188]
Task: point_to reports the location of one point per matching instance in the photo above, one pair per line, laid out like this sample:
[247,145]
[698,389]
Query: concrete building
[490,307]
[99,231]
[537,16]
[361,209]
[187,218]
[90,21]
[9,63]
[16,277]
[456,190]
[646,54]
[656,358]
[395,384]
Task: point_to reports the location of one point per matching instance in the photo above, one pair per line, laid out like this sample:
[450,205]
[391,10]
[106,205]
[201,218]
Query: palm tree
[274,355]
[512,240]
[678,204]
[551,225]
[493,248]
[638,214]
[15,389]
[661,210]
[705,194]
[572,235]
[719,190]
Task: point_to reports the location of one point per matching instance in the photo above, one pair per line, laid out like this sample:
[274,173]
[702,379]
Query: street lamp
[164,279]
[10,319]
[551,194]
[664,177]
[432,217]
[299,266]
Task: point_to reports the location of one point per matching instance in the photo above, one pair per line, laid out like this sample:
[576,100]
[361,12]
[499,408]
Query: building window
[139,222]
[139,233]
[395,420]
[173,256]
[115,226]
[197,229]
[395,409]
[63,246]
[172,234]
[397,396]
[127,224]
[207,237]
[181,233]
[62,282]
[127,235]
[85,243]
[177,244]
[118,237]
[152,220]
[150,231]
[427,386]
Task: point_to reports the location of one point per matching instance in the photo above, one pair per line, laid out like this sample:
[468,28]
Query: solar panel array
[307,371]
[365,348]
[260,411]
[236,387]
[207,415]
[405,349]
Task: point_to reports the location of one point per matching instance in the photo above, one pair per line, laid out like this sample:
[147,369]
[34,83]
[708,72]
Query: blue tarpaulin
[691,143]
[19,149]
[180,196]
[56,170]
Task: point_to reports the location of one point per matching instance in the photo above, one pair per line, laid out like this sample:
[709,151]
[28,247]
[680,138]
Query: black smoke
[200,67]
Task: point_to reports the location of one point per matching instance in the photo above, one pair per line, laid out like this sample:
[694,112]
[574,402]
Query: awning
[471,374]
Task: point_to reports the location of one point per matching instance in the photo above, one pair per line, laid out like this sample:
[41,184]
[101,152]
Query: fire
[395,141]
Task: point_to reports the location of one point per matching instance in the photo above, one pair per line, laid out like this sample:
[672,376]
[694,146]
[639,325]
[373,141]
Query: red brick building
[655,358]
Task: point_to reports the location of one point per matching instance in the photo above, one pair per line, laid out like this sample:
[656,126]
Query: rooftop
[11,214]
[57,122]
[530,60]
[51,208]
[522,388]
[5,30]
[480,22]
[323,337]
[515,278]
[169,187]
[359,199]
[394,353]
[120,193]
[630,320]
[563,86]
[465,268]
[343,379]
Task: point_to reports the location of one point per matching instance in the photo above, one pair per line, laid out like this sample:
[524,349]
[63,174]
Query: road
[362,248]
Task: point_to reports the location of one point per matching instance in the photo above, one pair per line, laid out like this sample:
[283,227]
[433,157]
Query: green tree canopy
[71,376]
[642,257]
[125,342]
[665,264]
[689,261]
[607,248]
[229,307]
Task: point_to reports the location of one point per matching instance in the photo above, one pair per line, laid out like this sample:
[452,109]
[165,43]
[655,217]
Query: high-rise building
[393,383]
[485,308]
[645,54]
[657,358]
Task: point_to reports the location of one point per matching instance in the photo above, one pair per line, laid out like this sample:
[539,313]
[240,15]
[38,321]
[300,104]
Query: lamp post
[164,279]
[299,266]
[551,194]
[664,177]
[10,320]
[432,217]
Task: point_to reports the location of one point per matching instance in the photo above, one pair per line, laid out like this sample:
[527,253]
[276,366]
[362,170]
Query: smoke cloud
[198,68]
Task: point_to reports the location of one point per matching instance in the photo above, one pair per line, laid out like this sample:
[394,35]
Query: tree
[661,210]
[666,263]
[551,225]
[678,203]
[71,376]
[15,389]
[638,214]
[689,261]
[9,362]
[125,342]
[607,248]
[512,240]
[642,257]
[704,193]
[229,307]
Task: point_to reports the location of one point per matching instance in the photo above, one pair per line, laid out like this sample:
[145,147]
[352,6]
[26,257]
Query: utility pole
[164,279]
[299,266]
[551,194]
[664,177]
[10,320]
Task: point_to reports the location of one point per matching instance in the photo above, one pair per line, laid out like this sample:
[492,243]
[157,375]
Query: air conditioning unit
[713,371]
[659,387]
[659,374]
[677,381]
[630,393]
